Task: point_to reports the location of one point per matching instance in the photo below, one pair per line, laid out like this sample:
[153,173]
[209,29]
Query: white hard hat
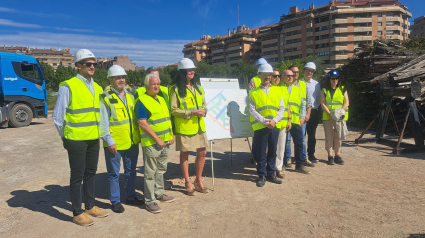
[310,65]
[83,54]
[265,68]
[116,70]
[261,61]
[186,63]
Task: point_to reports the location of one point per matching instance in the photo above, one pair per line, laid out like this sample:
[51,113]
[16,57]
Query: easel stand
[412,116]
[231,158]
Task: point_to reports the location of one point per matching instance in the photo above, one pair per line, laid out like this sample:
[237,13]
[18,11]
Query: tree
[49,76]
[320,69]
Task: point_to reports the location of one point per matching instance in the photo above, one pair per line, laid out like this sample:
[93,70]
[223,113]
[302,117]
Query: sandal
[280,174]
[190,193]
[199,189]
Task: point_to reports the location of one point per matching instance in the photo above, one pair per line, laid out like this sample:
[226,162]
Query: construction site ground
[375,194]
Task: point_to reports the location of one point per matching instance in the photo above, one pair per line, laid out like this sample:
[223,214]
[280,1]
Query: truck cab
[23,91]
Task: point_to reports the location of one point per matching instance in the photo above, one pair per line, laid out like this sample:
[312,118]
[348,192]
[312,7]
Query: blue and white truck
[23,91]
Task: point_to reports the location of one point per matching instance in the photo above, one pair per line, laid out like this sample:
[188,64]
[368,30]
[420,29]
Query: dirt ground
[375,194]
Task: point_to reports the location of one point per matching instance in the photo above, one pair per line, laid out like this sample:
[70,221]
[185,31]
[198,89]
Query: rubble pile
[381,72]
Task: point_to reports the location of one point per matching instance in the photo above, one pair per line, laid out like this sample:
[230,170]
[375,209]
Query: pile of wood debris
[380,72]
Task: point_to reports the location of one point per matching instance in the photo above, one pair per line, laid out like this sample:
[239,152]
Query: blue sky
[150,32]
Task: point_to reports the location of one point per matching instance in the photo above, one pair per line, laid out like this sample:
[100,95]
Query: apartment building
[122,61]
[331,32]
[230,48]
[53,57]
[418,27]
[50,56]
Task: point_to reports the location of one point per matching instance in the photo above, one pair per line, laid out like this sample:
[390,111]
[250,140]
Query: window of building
[323,53]
[379,23]
[390,23]
[322,28]
[389,14]
[379,14]
[379,33]
[309,38]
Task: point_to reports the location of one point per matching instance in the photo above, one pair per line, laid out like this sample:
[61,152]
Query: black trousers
[83,158]
[311,130]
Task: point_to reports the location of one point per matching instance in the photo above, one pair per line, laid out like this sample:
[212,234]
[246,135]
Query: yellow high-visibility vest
[192,103]
[82,115]
[159,120]
[294,99]
[123,124]
[337,101]
[164,90]
[257,81]
[266,105]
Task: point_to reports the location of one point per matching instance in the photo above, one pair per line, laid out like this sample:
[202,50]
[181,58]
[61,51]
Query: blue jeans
[113,164]
[297,134]
[266,162]
[288,151]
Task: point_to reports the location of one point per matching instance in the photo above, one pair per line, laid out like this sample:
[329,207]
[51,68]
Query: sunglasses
[334,78]
[90,64]
[296,72]
[275,76]
[309,70]
[119,77]
[288,75]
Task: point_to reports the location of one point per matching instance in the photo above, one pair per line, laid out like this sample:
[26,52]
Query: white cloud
[69,29]
[5,22]
[38,14]
[142,52]
[4,9]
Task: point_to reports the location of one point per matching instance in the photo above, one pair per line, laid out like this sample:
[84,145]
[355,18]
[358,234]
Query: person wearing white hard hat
[266,108]
[189,109]
[313,115]
[76,117]
[120,134]
[256,81]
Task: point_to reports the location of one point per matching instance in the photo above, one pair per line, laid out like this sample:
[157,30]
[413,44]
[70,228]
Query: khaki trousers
[281,143]
[155,163]
[331,136]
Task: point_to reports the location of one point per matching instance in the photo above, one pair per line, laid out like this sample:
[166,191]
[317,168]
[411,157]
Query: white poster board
[228,111]
[219,83]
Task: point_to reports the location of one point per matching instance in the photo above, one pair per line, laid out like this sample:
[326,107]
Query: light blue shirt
[313,93]
[63,101]
[105,114]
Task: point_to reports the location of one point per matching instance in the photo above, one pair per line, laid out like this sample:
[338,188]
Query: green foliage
[318,75]
[416,43]
[101,77]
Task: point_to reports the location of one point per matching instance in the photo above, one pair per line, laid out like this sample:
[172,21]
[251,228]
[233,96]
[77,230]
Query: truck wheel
[21,115]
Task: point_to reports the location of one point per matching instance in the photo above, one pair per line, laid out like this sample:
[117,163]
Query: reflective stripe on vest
[164,90]
[266,105]
[257,81]
[190,103]
[123,125]
[337,101]
[82,115]
[303,87]
[159,120]
[294,99]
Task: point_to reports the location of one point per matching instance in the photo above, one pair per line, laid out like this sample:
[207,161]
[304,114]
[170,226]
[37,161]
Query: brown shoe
[82,220]
[280,174]
[199,189]
[97,212]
